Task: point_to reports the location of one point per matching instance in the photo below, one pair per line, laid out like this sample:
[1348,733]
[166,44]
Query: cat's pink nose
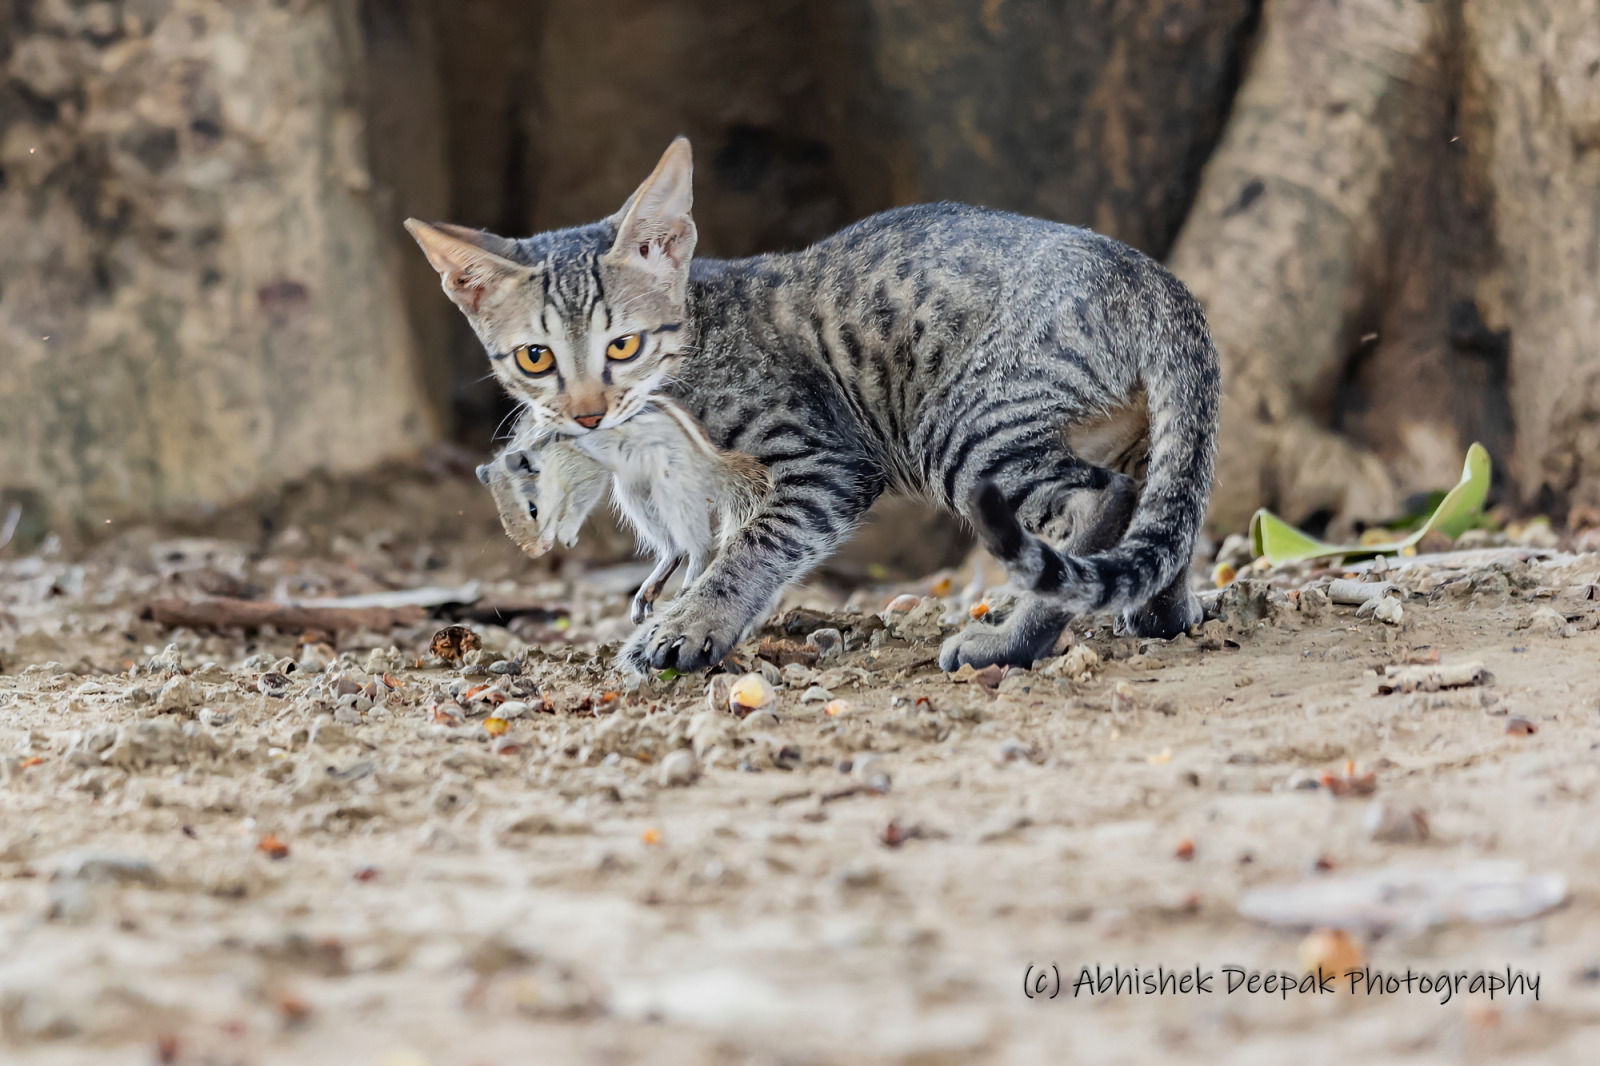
[589,421]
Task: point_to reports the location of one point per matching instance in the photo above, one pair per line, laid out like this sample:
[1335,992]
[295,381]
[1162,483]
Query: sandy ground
[203,863]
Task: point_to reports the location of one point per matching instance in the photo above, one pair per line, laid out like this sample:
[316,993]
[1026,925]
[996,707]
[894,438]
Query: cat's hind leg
[1058,496]
[1166,614]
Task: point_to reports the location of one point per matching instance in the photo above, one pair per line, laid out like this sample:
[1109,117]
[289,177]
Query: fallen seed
[750,693]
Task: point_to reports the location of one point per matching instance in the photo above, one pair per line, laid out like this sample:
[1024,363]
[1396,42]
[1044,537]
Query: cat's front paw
[634,655]
[685,638]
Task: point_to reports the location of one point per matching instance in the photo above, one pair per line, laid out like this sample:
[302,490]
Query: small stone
[1313,602]
[215,719]
[170,661]
[816,694]
[1549,622]
[679,768]
[104,869]
[178,696]
[834,708]
[505,667]
[751,692]
[325,733]
[717,691]
[379,662]
[512,709]
[1388,824]
[1538,534]
[770,673]
[867,765]
[1078,664]
[1332,951]
[758,722]
[274,684]
[828,642]
[922,622]
[315,658]
[902,604]
[796,675]
[1011,751]
[1388,611]
[1520,727]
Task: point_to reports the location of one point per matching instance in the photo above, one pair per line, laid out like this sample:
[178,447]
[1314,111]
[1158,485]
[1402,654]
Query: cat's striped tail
[1183,390]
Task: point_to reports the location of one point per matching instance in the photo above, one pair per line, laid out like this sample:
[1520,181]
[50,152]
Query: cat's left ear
[655,230]
[471,263]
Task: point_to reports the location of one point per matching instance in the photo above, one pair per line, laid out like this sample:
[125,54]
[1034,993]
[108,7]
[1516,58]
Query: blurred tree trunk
[194,301]
[1396,242]
[1390,209]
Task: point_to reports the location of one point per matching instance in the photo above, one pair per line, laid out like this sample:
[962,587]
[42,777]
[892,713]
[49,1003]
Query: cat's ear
[655,230]
[470,262]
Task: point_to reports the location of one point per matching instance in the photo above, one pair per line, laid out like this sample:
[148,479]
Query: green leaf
[1281,543]
[669,674]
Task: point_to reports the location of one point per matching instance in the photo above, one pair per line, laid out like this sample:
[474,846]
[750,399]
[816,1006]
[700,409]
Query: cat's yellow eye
[624,347]
[534,359]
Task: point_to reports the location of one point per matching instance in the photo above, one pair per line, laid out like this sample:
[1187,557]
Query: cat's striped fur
[953,352]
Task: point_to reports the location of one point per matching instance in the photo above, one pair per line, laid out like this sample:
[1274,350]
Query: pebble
[315,658]
[798,675]
[1549,622]
[273,684]
[106,869]
[828,642]
[512,709]
[717,691]
[756,721]
[1313,602]
[751,692]
[816,694]
[707,730]
[1333,951]
[679,768]
[170,661]
[177,696]
[325,733]
[772,674]
[1388,824]
[1078,664]
[923,622]
[355,702]
[1011,751]
[379,662]
[1388,611]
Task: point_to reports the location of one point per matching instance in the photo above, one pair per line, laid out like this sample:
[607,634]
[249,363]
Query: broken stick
[221,612]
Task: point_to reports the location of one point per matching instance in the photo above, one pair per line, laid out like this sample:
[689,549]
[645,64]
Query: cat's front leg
[800,525]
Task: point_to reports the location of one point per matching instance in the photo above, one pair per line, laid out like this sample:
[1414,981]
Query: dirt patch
[262,848]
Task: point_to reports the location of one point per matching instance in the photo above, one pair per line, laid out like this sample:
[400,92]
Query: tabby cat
[1016,371]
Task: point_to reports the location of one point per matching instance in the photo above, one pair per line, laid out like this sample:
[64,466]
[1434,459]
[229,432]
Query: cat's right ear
[471,263]
[655,228]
